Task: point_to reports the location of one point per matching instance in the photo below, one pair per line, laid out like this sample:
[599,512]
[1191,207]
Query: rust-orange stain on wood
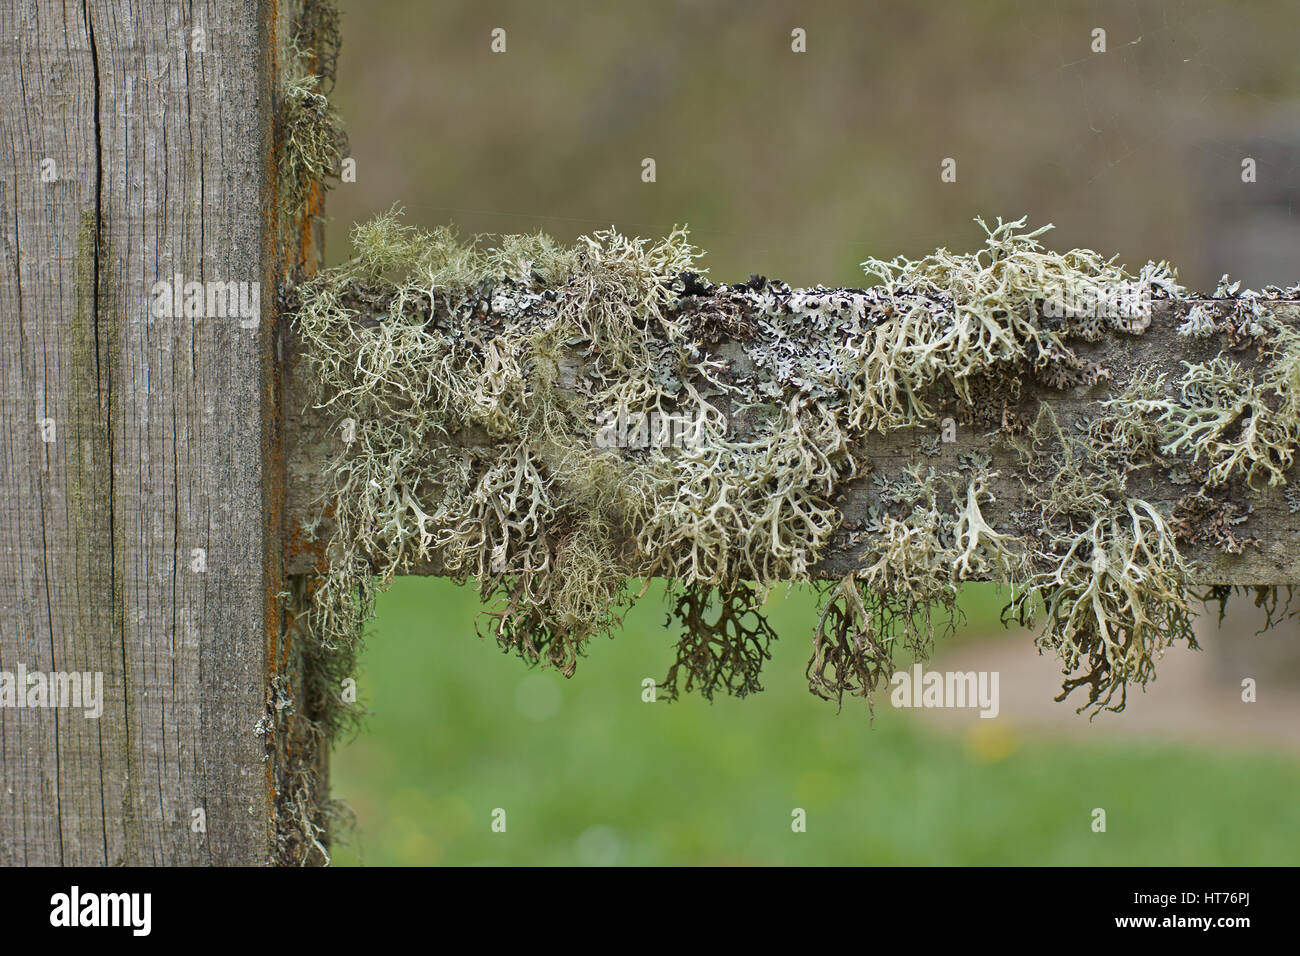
[294,254]
[269,336]
[298,544]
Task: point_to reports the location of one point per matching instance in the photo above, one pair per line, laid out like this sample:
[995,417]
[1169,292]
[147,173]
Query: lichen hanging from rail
[557,422]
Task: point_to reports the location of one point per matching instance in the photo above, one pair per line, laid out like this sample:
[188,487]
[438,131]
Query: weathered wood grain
[311,438]
[141,542]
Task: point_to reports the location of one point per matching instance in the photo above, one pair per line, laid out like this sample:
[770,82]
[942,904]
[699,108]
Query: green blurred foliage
[800,165]
[590,774]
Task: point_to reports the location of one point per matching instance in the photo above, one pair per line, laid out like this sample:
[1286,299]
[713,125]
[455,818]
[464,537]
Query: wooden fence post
[138,533]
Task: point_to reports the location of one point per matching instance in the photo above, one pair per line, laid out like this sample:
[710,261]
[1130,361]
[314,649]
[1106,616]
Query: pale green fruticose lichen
[312,141]
[477,376]
[1107,584]
[1238,423]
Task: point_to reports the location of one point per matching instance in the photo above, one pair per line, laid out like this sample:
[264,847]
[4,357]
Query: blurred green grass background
[798,167]
[590,774]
